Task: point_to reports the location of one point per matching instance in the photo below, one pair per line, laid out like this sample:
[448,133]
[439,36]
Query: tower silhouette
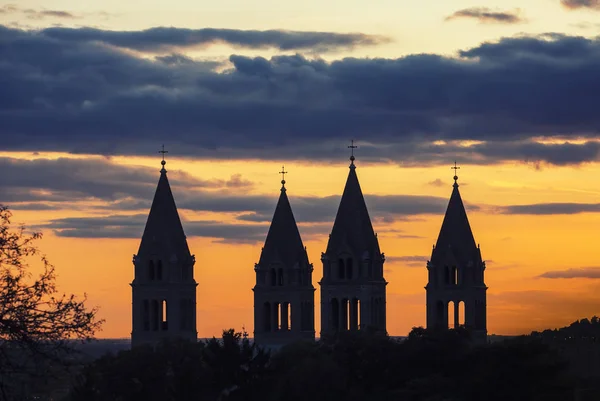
[163,288]
[353,288]
[284,294]
[456,274]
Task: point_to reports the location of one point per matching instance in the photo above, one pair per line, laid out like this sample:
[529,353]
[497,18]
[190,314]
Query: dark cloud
[118,226]
[410,261]
[576,4]
[76,95]
[36,14]
[72,180]
[582,272]
[169,38]
[551,208]
[486,15]
[437,183]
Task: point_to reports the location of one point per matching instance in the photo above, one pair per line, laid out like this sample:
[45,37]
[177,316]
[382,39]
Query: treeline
[428,366]
[579,330]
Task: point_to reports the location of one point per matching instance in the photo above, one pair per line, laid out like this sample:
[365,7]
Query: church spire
[456,234]
[283,242]
[164,225]
[352,226]
[163,288]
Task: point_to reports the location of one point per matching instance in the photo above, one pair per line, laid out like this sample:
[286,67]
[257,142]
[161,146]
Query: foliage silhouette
[37,324]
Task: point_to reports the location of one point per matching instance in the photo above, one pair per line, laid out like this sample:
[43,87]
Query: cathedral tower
[353,286]
[163,288]
[456,291]
[284,296]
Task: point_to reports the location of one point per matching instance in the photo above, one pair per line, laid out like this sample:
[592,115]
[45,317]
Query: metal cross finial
[283,173]
[455,168]
[163,151]
[352,147]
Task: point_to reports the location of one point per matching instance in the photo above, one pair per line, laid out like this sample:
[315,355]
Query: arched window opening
[335,314]
[344,313]
[439,312]
[154,315]
[151,270]
[454,275]
[280,276]
[461,313]
[276,316]
[353,314]
[267,317]
[163,311]
[358,322]
[341,269]
[452,316]
[286,316]
[273,277]
[159,270]
[146,314]
[349,268]
[446,275]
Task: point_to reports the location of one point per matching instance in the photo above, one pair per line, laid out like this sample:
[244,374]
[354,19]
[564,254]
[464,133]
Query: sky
[89,91]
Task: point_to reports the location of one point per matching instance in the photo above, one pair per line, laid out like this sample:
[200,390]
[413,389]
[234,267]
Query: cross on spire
[455,168]
[352,147]
[283,173]
[163,151]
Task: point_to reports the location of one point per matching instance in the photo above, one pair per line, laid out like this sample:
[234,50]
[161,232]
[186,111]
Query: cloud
[119,226]
[437,183]
[582,272]
[487,15]
[71,180]
[577,4]
[169,38]
[487,104]
[410,261]
[551,208]
[36,14]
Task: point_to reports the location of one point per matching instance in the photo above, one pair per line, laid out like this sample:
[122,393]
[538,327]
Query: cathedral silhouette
[353,286]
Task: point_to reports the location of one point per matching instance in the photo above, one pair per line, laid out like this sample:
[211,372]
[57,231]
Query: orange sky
[517,248]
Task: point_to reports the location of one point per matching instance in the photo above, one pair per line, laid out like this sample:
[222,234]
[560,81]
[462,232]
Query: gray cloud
[71,180]
[582,272]
[486,15]
[437,183]
[551,208]
[578,4]
[169,38]
[36,14]
[410,261]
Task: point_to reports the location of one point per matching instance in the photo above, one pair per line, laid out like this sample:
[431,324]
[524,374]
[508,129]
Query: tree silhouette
[37,325]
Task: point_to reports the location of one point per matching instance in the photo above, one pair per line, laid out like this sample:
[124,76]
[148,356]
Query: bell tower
[456,290]
[353,289]
[163,287]
[284,296]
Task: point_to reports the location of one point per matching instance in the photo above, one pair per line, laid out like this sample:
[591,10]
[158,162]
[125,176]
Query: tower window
[454,275]
[349,268]
[159,270]
[273,277]
[146,314]
[446,275]
[154,316]
[280,275]
[164,324]
[267,317]
[341,269]
[151,270]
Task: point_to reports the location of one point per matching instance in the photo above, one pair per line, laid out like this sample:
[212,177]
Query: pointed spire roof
[164,233]
[283,243]
[352,227]
[456,235]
